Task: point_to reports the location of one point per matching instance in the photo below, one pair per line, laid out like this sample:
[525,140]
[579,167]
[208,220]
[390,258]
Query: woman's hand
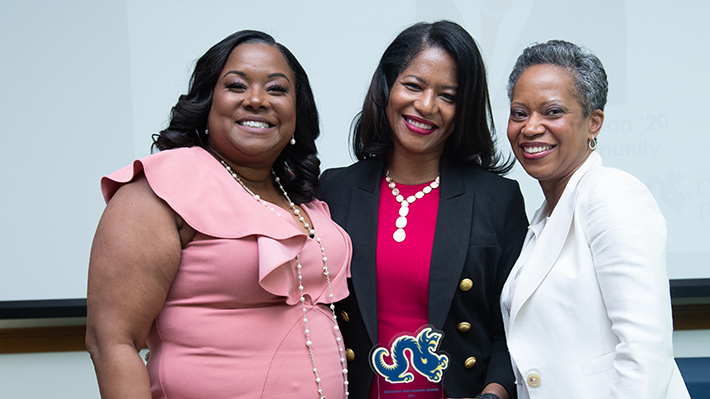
[492,388]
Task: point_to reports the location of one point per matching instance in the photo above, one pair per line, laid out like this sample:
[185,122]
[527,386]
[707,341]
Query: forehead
[255,58]
[434,61]
[545,79]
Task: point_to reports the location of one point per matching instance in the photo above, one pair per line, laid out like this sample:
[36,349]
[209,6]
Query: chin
[535,173]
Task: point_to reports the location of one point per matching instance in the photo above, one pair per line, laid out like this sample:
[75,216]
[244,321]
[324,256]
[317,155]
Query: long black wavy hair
[472,140]
[297,166]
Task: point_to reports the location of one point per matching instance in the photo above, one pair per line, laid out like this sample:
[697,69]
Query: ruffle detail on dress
[199,189]
[196,186]
[277,266]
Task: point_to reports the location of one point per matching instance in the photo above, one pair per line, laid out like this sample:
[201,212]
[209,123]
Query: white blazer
[587,308]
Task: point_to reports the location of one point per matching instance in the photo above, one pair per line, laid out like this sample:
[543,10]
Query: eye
[236,86]
[277,88]
[555,112]
[517,115]
[448,97]
[412,86]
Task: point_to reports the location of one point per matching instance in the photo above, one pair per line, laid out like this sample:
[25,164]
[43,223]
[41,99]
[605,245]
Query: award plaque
[411,367]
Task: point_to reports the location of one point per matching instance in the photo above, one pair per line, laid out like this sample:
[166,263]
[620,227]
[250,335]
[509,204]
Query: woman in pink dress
[214,252]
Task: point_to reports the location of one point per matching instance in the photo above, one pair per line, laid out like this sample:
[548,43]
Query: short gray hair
[588,71]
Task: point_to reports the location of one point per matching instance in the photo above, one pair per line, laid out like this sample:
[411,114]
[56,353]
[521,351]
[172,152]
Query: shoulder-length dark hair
[472,140]
[297,166]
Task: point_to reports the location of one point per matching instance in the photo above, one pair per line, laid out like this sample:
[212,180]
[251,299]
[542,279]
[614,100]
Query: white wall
[59,375]
[86,83]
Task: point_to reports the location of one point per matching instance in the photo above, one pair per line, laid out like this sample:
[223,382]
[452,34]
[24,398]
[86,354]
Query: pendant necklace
[326,273]
[399,234]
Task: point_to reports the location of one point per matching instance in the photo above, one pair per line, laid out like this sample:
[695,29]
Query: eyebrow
[555,101]
[244,75]
[446,87]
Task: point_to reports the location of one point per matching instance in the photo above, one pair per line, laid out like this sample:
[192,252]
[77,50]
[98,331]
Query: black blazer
[480,227]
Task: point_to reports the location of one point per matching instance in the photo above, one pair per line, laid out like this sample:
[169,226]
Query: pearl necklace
[326,273]
[399,235]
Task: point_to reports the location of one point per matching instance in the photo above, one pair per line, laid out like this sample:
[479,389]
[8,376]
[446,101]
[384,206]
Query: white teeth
[419,124]
[535,150]
[262,125]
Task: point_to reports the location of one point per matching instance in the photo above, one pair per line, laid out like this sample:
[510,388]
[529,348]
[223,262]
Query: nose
[255,98]
[533,126]
[426,103]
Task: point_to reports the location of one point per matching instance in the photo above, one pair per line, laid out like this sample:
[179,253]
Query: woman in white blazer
[586,308]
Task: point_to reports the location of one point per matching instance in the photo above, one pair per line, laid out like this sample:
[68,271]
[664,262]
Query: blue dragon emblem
[422,349]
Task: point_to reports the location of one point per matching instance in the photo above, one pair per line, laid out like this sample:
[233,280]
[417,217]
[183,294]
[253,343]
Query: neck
[259,175]
[254,178]
[413,170]
[251,173]
[552,198]
[553,191]
[258,180]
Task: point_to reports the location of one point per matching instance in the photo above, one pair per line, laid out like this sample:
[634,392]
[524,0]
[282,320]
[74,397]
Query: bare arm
[134,258]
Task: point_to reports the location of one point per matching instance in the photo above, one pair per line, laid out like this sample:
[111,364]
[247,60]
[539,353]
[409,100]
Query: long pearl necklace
[326,273]
[399,235]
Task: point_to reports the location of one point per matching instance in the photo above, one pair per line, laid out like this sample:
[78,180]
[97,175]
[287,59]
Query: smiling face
[547,127]
[253,112]
[422,104]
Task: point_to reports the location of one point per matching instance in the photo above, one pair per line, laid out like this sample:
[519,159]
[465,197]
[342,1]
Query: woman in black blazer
[437,258]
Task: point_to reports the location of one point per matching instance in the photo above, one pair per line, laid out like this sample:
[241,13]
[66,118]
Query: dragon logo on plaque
[422,358]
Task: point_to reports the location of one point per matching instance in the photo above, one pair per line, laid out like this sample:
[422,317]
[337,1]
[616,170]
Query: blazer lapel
[448,255]
[550,241]
[362,225]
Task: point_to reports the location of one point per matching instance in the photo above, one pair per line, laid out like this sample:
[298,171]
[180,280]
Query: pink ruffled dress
[232,324]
